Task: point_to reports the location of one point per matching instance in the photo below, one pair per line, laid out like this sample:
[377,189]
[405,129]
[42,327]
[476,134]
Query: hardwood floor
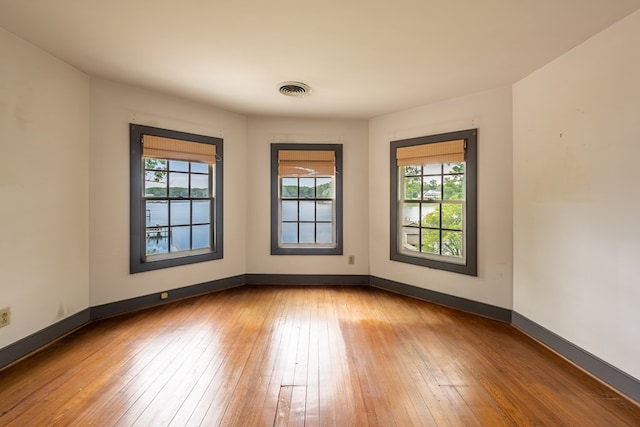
[313,356]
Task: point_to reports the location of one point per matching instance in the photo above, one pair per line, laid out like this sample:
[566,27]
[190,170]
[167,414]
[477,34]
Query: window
[433,201]
[176,198]
[306,199]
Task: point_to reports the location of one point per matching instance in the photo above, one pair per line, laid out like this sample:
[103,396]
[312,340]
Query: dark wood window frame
[469,267]
[139,262]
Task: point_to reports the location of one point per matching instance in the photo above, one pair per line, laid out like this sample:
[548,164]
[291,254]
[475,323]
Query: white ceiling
[363,58]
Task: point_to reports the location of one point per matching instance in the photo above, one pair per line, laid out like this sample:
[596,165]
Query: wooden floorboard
[303,356]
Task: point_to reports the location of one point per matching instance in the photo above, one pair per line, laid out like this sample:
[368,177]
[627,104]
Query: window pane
[452,243]
[307,188]
[452,216]
[431,215]
[180,212]
[178,184]
[411,214]
[157,240]
[324,234]
[289,210]
[199,185]
[433,169]
[199,167]
[412,188]
[307,211]
[454,187]
[410,238]
[155,164]
[430,241]
[324,211]
[157,213]
[289,187]
[413,170]
[155,184]
[201,211]
[201,236]
[324,188]
[290,232]
[178,165]
[180,238]
[431,187]
[453,168]
[307,233]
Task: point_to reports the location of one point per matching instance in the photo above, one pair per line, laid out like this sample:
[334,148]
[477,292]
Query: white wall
[262,131]
[44,190]
[113,107]
[490,112]
[577,195]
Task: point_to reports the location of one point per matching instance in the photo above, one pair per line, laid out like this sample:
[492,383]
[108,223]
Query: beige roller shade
[425,154]
[158,147]
[306,163]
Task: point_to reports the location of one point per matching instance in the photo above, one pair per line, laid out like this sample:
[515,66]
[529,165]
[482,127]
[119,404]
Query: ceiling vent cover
[294,89]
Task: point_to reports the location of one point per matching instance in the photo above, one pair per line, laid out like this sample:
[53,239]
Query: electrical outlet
[5,317]
[352,259]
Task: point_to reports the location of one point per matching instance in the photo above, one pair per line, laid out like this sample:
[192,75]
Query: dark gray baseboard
[470,306]
[307,279]
[597,367]
[148,301]
[37,340]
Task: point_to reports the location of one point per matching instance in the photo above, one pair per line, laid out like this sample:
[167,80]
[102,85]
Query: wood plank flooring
[303,356]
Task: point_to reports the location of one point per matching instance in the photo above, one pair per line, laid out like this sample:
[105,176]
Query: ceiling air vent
[294,89]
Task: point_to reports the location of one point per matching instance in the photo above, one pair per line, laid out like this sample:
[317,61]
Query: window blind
[306,163]
[425,154]
[159,147]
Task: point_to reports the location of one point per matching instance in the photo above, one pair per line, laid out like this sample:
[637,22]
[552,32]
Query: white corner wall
[353,134]
[577,195]
[490,112]
[113,107]
[44,190]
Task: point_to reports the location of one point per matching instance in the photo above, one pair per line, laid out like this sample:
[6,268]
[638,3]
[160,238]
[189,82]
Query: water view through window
[307,210]
[177,206]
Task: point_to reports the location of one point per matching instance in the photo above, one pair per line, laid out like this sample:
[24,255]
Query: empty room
[364,213]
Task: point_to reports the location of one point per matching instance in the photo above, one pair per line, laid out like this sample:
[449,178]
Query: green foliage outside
[154,169]
[451,243]
[432,188]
